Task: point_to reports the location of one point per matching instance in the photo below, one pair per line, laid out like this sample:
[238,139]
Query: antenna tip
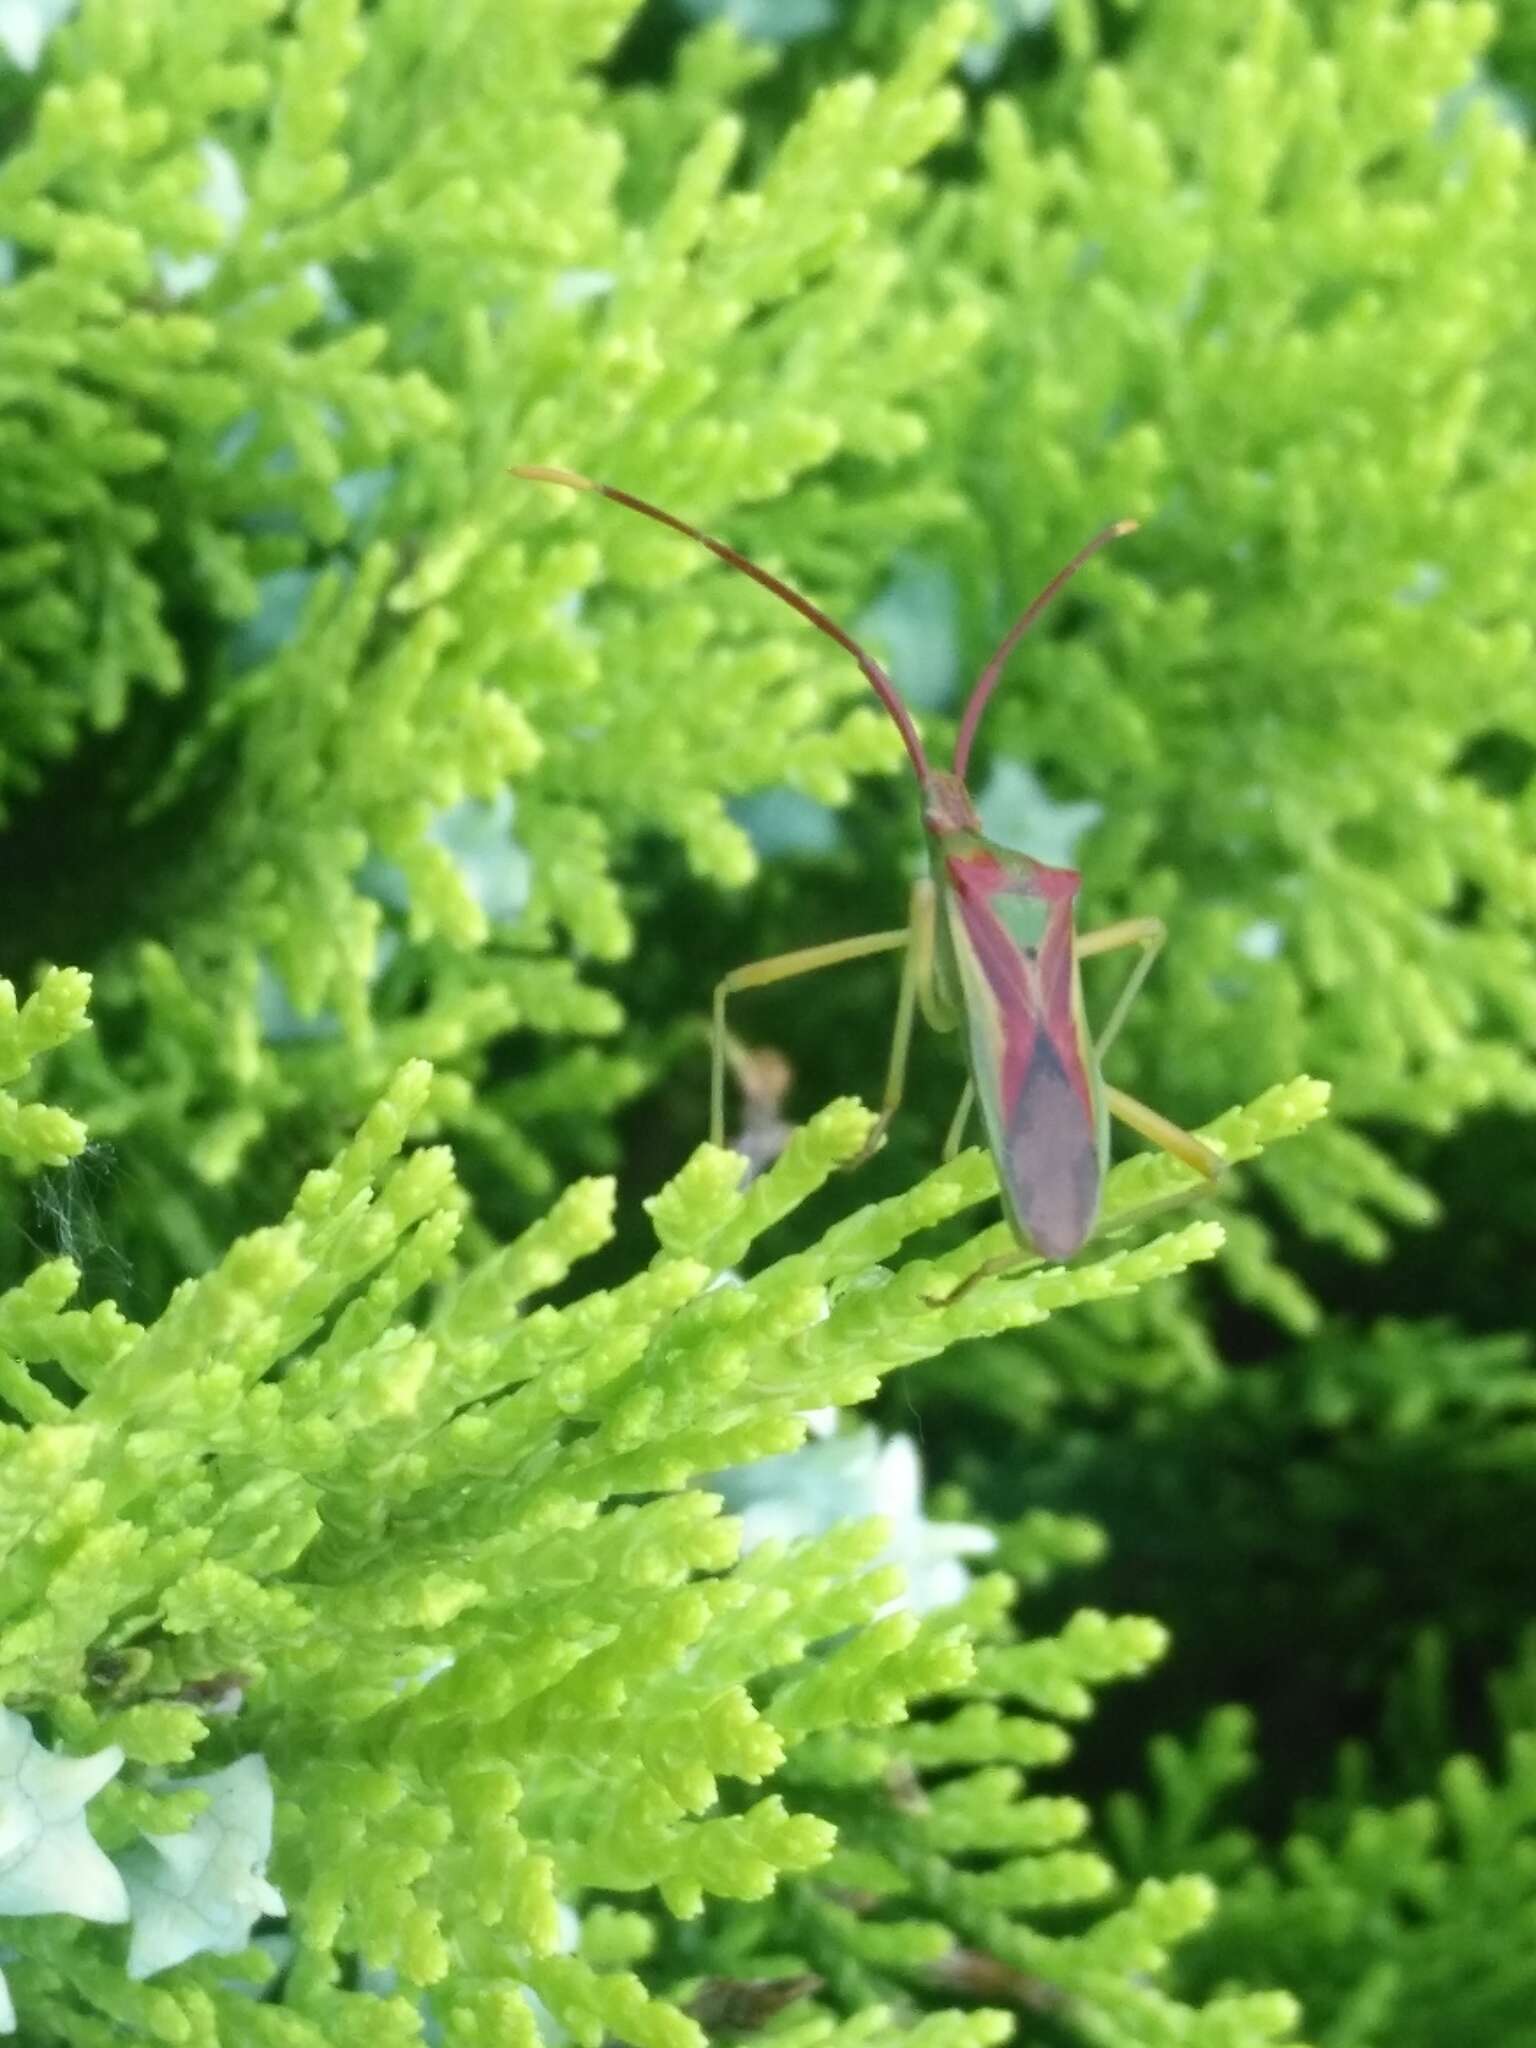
[540,473]
[1122,527]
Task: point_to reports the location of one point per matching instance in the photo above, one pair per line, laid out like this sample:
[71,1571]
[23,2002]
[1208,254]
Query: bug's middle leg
[1147,932]
[961,1118]
[916,974]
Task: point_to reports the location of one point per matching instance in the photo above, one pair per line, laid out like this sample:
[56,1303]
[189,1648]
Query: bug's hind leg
[1172,1138]
[1162,1131]
[989,1269]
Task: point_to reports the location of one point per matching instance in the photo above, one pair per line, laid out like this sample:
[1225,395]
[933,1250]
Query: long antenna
[986,682]
[884,688]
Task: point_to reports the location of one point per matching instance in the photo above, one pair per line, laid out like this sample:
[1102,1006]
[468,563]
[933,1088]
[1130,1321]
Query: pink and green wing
[1010,925]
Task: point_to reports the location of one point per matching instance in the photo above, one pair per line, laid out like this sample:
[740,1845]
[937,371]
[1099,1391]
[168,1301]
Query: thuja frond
[1309,664]
[490,1642]
[33,1134]
[269,262]
[1386,1909]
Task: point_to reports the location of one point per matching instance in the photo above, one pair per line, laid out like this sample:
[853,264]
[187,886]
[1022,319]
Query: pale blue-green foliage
[997,24]
[198,1889]
[25,26]
[1264,284]
[49,1862]
[780,22]
[849,1475]
[202,1889]
[292,288]
[441,1547]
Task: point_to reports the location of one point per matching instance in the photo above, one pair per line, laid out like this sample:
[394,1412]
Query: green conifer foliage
[379,1663]
[494,1648]
[1395,1912]
[1261,283]
[275,491]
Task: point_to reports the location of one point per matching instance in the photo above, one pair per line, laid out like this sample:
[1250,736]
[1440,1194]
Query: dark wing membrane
[1034,1090]
[1052,1172]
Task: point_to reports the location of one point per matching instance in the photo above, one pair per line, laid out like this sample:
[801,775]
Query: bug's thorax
[998,903]
[959,848]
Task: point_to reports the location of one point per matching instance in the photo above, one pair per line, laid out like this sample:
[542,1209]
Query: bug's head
[947,805]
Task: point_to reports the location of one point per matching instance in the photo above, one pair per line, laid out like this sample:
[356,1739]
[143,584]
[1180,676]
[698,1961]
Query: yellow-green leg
[960,1119]
[916,937]
[989,1269]
[1147,932]
[1162,1132]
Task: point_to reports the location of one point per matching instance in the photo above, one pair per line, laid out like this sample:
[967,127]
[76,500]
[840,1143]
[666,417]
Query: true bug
[990,939]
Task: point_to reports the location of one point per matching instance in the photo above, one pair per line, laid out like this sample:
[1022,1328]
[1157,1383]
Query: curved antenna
[884,688]
[986,682]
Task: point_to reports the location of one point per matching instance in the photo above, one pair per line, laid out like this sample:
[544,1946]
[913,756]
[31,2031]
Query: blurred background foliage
[325,744]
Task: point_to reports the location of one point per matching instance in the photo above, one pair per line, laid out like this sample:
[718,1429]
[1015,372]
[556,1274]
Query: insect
[990,942]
